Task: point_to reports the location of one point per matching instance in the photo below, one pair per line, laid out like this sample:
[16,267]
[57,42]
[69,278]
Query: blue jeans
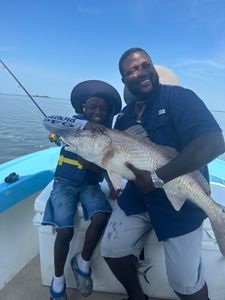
[61,206]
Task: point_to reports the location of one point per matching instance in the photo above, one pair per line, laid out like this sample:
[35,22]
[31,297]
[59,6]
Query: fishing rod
[20,84]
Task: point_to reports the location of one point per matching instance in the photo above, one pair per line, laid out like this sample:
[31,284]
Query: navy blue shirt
[174,117]
[70,168]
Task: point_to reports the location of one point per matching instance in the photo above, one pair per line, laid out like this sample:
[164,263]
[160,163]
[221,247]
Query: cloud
[201,62]
[203,69]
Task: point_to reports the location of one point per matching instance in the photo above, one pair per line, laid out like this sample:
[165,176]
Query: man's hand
[95,127]
[143,179]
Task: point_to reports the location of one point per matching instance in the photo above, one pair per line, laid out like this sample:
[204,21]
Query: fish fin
[169,152]
[218,225]
[116,179]
[175,197]
[137,131]
[107,156]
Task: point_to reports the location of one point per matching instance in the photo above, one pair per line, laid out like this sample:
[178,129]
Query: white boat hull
[19,239]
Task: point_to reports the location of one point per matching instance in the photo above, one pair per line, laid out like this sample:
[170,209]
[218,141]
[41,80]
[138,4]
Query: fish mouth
[63,131]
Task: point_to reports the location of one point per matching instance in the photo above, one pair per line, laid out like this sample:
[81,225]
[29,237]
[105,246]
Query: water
[22,131]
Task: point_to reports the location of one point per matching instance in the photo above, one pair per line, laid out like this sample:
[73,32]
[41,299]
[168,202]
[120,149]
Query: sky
[52,45]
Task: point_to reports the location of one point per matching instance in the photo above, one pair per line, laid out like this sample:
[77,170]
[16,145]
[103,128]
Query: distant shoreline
[35,96]
[49,97]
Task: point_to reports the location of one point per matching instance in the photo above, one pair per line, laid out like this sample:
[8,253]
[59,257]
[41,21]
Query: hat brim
[95,88]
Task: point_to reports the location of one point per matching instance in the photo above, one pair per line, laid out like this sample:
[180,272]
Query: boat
[26,251]
[23,198]
[34,171]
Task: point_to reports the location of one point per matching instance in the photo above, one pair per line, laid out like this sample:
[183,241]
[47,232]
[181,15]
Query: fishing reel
[54,138]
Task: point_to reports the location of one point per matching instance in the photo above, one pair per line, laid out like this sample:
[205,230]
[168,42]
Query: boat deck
[27,285]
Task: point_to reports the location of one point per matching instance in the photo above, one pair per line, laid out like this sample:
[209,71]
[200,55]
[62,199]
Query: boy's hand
[95,127]
[143,179]
[113,194]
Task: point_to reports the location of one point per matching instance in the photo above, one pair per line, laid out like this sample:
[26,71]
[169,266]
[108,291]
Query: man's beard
[142,95]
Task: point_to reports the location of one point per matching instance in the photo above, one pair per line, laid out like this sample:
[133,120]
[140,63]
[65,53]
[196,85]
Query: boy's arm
[80,124]
[84,124]
[113,194]
[60,122]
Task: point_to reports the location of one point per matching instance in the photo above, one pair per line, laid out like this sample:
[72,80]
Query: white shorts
[125,235]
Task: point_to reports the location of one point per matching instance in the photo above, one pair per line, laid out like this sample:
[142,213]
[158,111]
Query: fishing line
[20,84]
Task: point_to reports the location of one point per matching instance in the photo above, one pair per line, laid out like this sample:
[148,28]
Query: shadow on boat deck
[27,285]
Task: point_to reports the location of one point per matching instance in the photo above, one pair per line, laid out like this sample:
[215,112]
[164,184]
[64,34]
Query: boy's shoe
[83,280]
[58,296]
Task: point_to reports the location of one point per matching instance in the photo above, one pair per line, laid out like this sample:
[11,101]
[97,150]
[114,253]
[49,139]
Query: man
[175,117]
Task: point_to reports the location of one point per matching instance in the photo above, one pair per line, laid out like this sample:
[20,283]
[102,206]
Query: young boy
[78,180]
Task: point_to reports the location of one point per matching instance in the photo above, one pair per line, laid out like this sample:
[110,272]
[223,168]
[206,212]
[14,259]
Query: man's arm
[199,152]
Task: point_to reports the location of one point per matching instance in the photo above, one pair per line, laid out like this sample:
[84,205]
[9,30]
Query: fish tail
[218,226]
